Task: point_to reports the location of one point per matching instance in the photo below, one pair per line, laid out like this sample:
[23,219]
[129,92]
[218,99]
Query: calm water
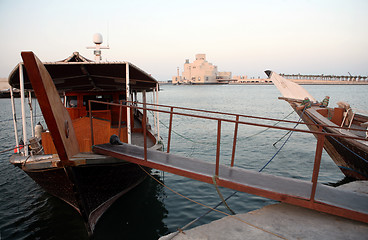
[150,210]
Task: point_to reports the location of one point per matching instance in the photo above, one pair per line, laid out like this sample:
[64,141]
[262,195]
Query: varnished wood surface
[56,116]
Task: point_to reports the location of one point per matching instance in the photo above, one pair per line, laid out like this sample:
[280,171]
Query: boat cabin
[79,80]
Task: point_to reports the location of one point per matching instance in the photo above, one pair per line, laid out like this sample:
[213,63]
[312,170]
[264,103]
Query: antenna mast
[97,39]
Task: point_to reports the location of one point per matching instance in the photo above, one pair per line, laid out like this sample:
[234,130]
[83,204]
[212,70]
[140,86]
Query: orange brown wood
[56,116]
[338,116]
[102,131]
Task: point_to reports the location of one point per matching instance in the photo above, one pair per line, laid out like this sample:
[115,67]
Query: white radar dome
[97,38]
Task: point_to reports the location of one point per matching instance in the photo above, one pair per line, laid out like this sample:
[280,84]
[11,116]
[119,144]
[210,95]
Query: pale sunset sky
[244,37]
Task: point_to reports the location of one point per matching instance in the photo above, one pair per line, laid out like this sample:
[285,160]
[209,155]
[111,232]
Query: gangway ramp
[293,191]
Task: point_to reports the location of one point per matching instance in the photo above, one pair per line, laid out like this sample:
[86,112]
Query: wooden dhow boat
[350,155]
[60,158]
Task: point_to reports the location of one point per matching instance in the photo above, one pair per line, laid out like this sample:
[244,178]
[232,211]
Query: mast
[97,39]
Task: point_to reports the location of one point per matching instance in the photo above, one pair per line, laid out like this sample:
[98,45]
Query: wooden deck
[293,191]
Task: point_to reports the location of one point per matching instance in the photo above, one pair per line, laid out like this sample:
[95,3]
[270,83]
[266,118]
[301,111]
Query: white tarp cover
[290,89]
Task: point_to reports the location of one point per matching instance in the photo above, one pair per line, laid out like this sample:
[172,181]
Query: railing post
[144,124]
[22,97]
[158,113]
[31,112]
[127,98]
[90,117]
[14,119]
[317,162]
[218,147]
[120,113]
[234,142]
[170,128]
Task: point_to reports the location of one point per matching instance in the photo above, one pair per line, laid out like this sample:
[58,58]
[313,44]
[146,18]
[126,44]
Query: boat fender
[114,140]
[21,145]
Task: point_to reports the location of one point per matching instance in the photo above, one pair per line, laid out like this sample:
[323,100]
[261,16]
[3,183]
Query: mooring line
[13,148]
[203,205]
[281,138]
[231,195]
[205,143]
[283,143]
[220,195]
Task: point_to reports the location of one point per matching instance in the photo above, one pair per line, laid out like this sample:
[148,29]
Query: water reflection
[137,215]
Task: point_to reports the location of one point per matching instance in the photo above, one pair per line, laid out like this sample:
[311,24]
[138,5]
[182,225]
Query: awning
[77,73]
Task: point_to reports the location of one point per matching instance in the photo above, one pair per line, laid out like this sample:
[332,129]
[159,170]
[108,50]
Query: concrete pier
[282,221]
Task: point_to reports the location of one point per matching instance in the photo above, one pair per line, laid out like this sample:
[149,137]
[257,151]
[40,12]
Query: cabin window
[97,106]
[71,102]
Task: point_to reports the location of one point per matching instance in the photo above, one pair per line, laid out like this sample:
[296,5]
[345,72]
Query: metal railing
[308,200]
[220,118]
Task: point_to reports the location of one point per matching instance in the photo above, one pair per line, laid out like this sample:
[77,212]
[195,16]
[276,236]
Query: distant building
[201,72]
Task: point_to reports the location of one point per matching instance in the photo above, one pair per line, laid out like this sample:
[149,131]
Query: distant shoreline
[298,81]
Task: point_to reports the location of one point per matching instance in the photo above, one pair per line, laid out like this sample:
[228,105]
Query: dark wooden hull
[348,154]
[90,189]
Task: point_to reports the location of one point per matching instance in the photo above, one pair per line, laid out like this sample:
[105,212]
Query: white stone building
[200,72]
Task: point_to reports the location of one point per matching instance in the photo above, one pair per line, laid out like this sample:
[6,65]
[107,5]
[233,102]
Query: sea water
[152,210]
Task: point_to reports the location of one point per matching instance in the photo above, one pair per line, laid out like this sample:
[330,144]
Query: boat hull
[348,154]
[90,189]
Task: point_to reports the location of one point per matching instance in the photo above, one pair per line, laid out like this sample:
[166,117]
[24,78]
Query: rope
[25,161]
[353,170]
[222,199]
[11,149]
[220,195]
[203,205]
[204,214]
[268,127]
[283,143]
[281,138]
[214,177]
[206,143]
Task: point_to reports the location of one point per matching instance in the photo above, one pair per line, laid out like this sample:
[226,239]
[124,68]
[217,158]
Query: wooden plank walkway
[327,199]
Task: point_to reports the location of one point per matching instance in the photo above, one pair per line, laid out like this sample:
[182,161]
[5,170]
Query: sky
[240,36]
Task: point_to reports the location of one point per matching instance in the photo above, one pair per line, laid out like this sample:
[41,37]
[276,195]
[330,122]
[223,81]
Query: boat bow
[288,88]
